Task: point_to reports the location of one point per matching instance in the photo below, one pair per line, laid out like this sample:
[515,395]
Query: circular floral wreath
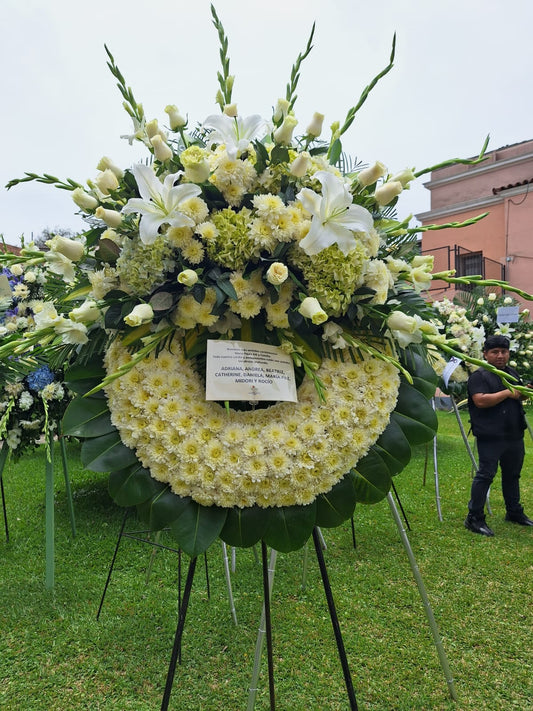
[238,229]
[283,455]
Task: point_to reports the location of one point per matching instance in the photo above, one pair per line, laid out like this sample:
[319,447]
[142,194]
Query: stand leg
[67,482]
[268,627]
[207,576]
[427,607]
[49,512]
[400,505]
[179,633]
[4,453]
[119,539]
[261,636]
[436,470]
[354,542]
[228,583]
[335,622]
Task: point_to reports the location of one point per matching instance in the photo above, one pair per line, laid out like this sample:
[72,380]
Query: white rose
[107,164]
[492,296]
[30,277]
[300,164]
[281,110]
[176,120]
[162,151]
[277,273]
[106,181]
[370,175]
[387,192]
[84,200]
[142,313]
[480,301]
[16,269]
[231,110]
[283,134]
[507,300]
[404,177]
[112,218]
[310,308]
[188,277]
[315,127]
[86,313]
[69,248]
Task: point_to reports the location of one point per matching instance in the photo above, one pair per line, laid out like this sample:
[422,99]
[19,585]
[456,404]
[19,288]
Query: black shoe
[521,519]
[478,525]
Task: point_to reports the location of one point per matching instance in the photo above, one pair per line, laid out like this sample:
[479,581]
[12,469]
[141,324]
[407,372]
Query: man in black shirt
[498,423]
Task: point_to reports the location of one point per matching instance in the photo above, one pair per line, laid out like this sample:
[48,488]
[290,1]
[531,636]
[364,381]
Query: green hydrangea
[331,276]
[233,246]
[143,267]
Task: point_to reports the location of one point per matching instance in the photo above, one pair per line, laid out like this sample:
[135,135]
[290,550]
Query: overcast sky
[463,70]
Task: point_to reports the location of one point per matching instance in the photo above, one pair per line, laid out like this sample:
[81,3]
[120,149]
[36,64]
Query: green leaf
[424,377]
[162,509]
[289,527]
[394,448]
[108,251]
[245,527]
[371,479]
[87,417]
[279,154]
[337,505]
[132,486]
[82,378]
[197,527]
[106,453]
[415,415]
[335,152]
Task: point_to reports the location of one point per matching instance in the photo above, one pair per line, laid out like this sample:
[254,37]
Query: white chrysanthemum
[283,455]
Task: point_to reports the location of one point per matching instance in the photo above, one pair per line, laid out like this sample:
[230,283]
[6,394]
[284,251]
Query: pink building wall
[502,186]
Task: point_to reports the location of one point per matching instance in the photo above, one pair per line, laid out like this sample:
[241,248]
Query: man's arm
[483,400]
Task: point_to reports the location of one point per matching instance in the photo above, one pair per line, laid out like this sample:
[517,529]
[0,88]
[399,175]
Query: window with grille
[469,264]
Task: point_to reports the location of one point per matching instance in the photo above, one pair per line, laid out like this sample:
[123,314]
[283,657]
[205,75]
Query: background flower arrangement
[32,399]
[484,309]
[240,228]
[466,336]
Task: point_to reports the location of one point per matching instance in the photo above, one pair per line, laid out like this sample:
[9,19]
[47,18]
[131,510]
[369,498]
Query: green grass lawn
[54,654]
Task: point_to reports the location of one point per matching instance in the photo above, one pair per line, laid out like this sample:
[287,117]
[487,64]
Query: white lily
[235,133]
[159,202]
[335,218]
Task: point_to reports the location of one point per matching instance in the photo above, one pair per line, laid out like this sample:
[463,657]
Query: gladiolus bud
[387,192]
[162,151]
[315,127]
[83,199]
[368,176]
[112,218]
[175,119]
